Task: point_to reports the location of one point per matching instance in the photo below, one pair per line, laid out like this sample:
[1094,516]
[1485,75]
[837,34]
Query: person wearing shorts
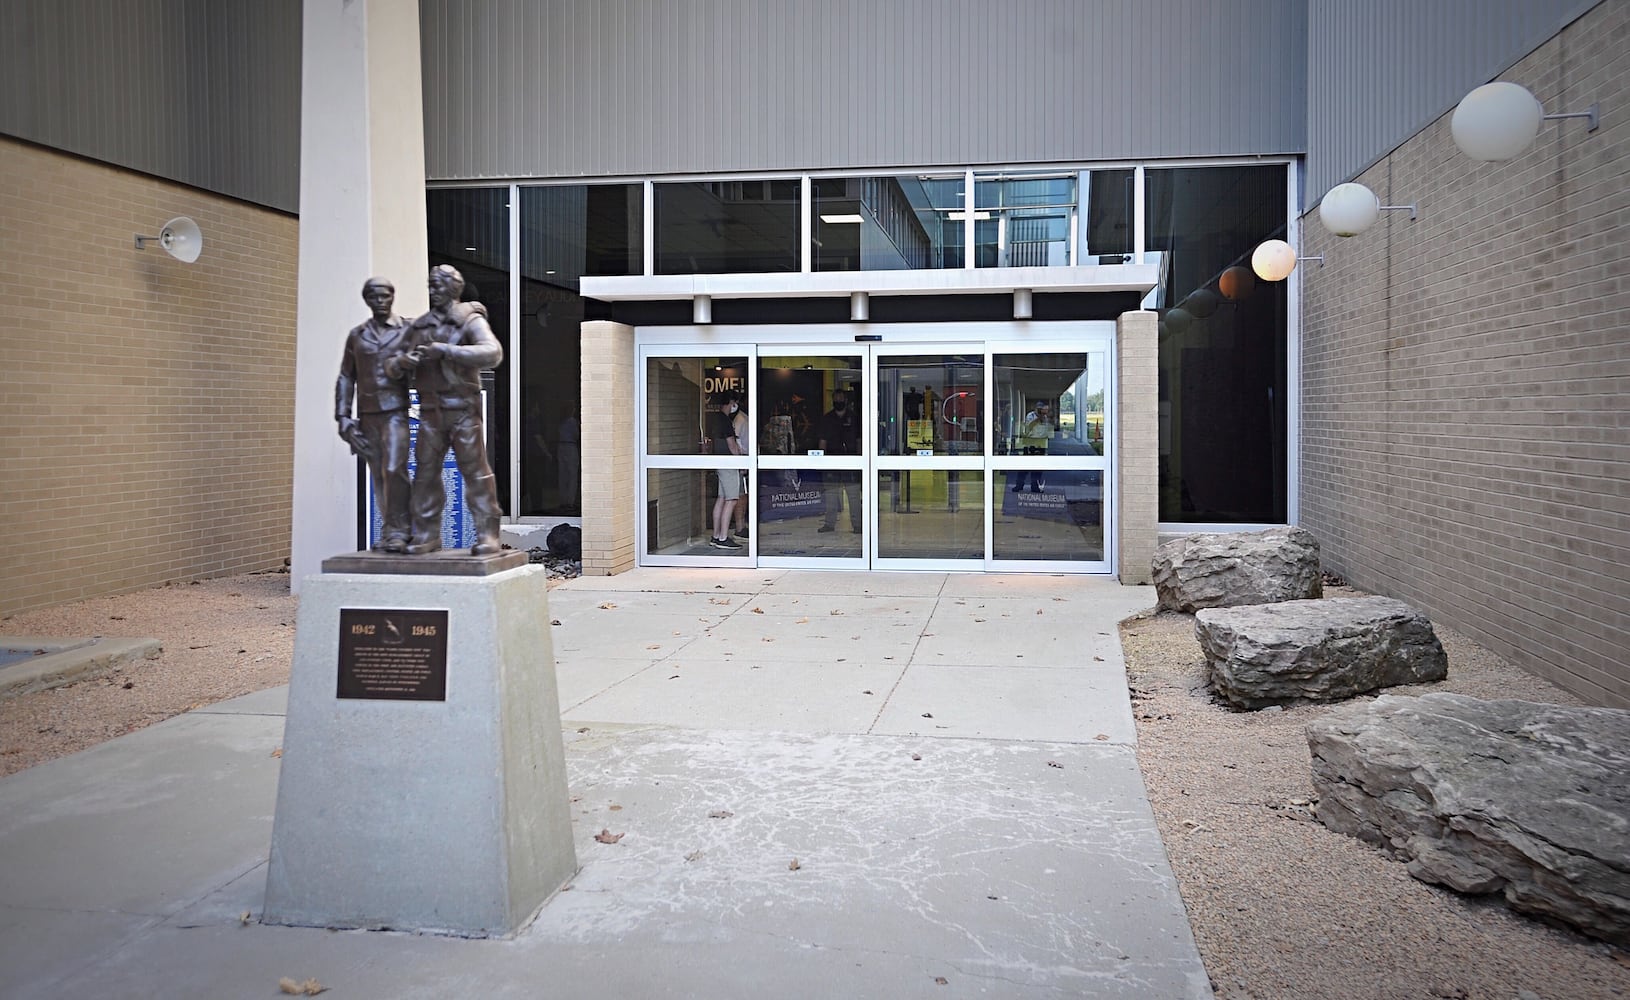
[722,432]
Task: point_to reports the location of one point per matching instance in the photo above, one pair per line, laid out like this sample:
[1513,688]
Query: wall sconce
[1200,303]
[1498,120]
[1177,320]
[180,238]
[1350,209]
[1273,260]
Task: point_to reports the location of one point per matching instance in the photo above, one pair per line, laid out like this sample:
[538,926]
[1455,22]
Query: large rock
[1524,799]
[1229,569]
[1324,650]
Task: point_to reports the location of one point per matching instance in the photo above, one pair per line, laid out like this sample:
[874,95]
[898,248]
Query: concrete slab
[272,701]
[677,579]
[38,663]
[994,631]
[1080,705]
[820,638]
[627,635]
[860,584]
[579,678]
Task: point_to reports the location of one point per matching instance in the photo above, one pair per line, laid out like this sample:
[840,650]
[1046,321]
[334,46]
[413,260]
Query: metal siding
[568,88]
[205,92]
[1382,70]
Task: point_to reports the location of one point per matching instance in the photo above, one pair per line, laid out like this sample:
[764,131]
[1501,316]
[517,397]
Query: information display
[392,655]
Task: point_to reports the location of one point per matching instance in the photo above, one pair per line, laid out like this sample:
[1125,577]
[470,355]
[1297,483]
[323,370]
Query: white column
[361,214]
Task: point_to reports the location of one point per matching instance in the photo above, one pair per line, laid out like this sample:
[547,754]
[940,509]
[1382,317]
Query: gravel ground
[1281,907]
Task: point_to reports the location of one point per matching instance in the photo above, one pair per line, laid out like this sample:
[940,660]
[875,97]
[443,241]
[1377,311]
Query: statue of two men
[442,353]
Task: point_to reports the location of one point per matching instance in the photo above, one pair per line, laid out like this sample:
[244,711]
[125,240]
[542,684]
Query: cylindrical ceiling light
[1273,260]
[1349,209]
[1202,302]
[1236,283]
[1496,121]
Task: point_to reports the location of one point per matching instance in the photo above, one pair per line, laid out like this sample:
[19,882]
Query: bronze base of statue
[448,562]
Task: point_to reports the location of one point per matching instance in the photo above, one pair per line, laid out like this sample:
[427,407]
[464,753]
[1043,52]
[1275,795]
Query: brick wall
[145,404]
[1137,480]
[608,448]
[1466,379]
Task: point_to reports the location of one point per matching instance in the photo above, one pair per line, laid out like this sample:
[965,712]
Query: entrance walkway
[826,785]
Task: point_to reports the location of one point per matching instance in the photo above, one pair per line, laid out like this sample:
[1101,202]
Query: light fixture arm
[1591,114]
[1319,258]
[1402,208]
[141,241]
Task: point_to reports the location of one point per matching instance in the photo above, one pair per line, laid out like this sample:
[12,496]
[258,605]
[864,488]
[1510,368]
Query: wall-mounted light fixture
[1498,120]
[1273,260]
[1201,303]
[1235,283]
[1350,209]
[180,238]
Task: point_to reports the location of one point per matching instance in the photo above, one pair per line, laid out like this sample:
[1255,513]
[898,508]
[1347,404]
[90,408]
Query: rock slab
[1528,800]
[1321,650]
[1229,569]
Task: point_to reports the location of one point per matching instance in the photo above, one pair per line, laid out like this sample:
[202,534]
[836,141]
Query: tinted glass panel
[931,514]
[1050,404]
[566,232]
[682,403]
[886,223]
[727,227]
[796,411]
[811,512]
[930,404]
[469,229]
[680,507]
[1222,440]
[1055,514]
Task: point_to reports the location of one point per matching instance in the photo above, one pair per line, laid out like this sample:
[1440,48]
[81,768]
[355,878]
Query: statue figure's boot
[486,538]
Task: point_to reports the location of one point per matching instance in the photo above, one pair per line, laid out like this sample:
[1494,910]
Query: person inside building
[722,437]
[743,428]
[840,435]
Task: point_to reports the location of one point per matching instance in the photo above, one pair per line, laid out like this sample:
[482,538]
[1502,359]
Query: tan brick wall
[608,448]
[1466,379]
[1137,483]
[145,404]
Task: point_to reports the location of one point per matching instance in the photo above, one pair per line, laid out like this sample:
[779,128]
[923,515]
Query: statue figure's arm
[345,386]
[480,348]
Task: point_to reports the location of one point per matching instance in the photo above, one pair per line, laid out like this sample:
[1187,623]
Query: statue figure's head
[446,285]
[380,295]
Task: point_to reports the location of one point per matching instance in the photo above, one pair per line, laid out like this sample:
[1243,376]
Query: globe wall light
[1201,302]
[1273,260]
[1498,120]
[1236,283]
[1350,209]
[1178,320]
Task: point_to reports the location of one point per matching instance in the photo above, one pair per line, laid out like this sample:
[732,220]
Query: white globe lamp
[1273,260]
[1496,121]
[1349,209]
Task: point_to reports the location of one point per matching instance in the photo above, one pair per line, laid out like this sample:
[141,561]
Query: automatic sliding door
[930,447]
[811,420]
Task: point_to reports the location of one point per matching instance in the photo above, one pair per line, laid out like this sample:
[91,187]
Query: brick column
[609,465]
[1137,471]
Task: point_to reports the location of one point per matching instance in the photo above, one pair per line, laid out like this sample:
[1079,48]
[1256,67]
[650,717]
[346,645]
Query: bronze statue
[447,348]
[379,431]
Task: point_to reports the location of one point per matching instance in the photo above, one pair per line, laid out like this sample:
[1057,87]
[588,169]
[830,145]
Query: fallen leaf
[980,620]
[1101,736]
[1098,659]
[928,715]
[693,856]
[582,729]
[793,865]
[129,684]
[616,808]
[718,600]
[865,692]
[1058,598]
[605,836]
[116,618]
[801,621]
[243,918]
[835,612]
[720,814]
[1054,763]
[608,606]
[278,752]
[554,621]
[916,756]
[654,646]
[758,611]
[674,677]
[769,639]
[941,980]
[309,988]
[1038,611]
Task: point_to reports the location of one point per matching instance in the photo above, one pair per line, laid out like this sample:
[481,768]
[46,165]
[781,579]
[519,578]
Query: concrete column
[1137,465]
[609,385]
[362,213]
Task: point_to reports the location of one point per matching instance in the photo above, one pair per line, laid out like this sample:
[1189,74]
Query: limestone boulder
[1228,569]
[1321,650]
[1527,800]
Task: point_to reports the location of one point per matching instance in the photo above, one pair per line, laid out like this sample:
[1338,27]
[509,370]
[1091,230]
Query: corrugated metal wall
[205,92]
[1381,70]
[562,88]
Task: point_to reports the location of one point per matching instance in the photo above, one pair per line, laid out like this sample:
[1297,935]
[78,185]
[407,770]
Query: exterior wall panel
[1466,439]
[1380,71]
[556,88]
[205,92]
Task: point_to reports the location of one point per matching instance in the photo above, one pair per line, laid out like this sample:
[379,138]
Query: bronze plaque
[393,655]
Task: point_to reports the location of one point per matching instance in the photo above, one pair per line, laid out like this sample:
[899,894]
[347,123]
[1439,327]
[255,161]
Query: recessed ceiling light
[842,218]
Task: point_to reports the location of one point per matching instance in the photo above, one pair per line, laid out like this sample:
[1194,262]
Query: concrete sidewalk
[949,759]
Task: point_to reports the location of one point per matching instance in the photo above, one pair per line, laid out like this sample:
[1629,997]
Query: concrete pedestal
[437,815]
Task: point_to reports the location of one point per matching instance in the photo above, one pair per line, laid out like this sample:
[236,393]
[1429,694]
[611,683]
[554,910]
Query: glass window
[1222,430]
[1023,220]
[680,507]
[1050,404]
[469,229]
[1058,515]
[567,232]
[796,397]
[727,227]
[930,404]
[931,514]
[810,512]
[887,223]
[682,404]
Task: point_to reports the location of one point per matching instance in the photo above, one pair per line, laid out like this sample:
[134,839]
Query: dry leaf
[608,606]
[1058,598]
[793,865]
[916,756]
[1054,763]
[654,646]
[278,752]
[941,980]
[554,621]
[693,856]
[244,917]
[1038,611]
[835,612]
[1098,659]
[1101,736]
[801,621]
[309,988]
[928,715]
[582,729]
[769,639]
[607,837]
[718,600]
[720,814]
[758,611]
[616,808]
